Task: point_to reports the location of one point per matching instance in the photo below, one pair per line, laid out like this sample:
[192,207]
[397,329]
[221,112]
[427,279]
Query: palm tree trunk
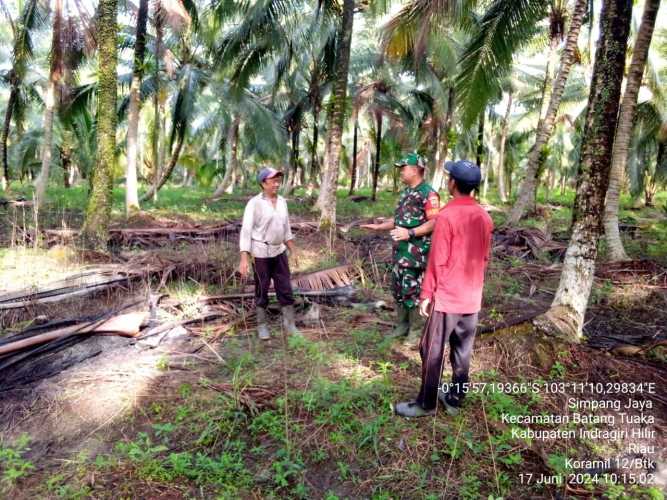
[158,128]
[96,225]
[55,75]
[545,128]
[296,143]
[131,184]
[66,162]
[479,150]
[314,162]
[166,174]
[293,174]
[5,136]
[565,317]
[327,199]
[439,172]
[232,140]
[378,145]
[353,173]
[501,150]
[624,131]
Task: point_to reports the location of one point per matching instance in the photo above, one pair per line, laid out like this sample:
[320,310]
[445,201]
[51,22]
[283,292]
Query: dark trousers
[459,330]
[277,268]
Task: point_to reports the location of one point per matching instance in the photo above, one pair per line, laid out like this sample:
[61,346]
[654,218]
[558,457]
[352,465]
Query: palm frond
[505,27]
[191,78]
[409,31]
[191,8]
[148,88]
[326,279]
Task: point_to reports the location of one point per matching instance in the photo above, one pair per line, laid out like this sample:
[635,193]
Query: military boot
[414,330]
[262,327]
[289,321]
[402,327]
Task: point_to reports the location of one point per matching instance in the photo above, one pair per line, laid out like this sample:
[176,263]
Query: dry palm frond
[325,279]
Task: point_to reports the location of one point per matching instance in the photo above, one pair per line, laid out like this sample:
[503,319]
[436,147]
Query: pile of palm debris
[47,347]
[527,243]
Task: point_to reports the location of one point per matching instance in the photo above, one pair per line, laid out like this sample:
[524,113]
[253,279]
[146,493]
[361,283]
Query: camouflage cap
[411,159]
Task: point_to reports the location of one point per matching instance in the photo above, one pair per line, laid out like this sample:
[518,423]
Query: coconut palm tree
[504,131]
[624,132]
[261,126]
[55,76]
[565,317]
[647,162]
[96,225]
[190,81]
[545,126]
[131,184]
[180,16]
[30,18]
[378,100]
[424,38]
[68,50]
[326,201]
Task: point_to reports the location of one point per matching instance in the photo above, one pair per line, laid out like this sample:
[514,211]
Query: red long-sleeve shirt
[460,251]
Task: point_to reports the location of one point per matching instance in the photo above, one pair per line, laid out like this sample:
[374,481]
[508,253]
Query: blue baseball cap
[464,171]
[267,173]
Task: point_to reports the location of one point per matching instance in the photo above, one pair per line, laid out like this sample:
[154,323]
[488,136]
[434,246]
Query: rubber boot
[415,333]
[402,327]
[289,321]
[262,327]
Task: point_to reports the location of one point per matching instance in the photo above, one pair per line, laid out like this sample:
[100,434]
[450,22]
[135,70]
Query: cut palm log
[126,325]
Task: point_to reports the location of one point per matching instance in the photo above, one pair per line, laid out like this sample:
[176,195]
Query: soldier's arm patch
[432,205]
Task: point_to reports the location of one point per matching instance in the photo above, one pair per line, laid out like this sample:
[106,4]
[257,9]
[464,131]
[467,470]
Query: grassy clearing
[22,267]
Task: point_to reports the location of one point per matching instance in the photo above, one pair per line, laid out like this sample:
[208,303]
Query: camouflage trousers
[406,285]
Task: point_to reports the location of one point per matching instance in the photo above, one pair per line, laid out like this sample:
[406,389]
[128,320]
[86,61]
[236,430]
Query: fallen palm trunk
[165,327]
[508,324]
[151,236]
[341,292]
[125,324]
[75,286]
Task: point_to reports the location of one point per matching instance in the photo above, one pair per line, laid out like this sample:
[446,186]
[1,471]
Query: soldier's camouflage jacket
[415,206]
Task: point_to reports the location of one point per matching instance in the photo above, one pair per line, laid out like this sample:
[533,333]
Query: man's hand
[400,234]
[244,265]
[424,308]
[373,227]
[293,257]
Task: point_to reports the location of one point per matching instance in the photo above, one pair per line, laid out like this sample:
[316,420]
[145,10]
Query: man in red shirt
[451,294]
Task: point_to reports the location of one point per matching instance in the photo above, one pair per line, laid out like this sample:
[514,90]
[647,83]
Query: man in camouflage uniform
[410,228]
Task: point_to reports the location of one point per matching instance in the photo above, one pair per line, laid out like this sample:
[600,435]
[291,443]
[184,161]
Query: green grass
[192,201]
[13,464]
